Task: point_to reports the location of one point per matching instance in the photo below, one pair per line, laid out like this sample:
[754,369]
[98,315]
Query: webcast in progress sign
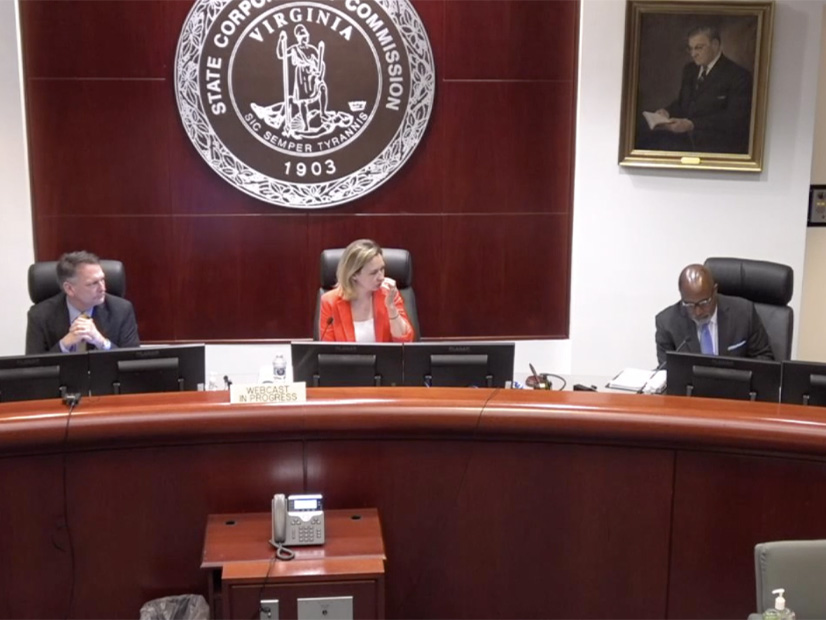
[304,103]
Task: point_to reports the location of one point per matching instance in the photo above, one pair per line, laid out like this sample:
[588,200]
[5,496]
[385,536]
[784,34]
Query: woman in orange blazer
[364,306]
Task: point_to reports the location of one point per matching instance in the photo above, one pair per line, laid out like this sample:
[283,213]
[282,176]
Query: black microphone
[664,362]
[677,350]
[326,327]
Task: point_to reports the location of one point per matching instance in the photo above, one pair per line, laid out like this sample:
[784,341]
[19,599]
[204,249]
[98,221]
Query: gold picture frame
[695,84]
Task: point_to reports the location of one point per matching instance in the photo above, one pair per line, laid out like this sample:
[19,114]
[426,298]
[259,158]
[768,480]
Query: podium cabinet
[347,570]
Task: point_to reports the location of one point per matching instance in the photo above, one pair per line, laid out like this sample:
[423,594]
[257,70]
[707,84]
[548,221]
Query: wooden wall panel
[424,487]
[107,148]
[98,147]
[33,539]
[503,141]
[510,40]
[75,39]
[725,504]
[222,271]
[508,281]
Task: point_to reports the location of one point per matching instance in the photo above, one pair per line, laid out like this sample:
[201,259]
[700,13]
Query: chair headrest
[756,280]
[397,265]
[43,279]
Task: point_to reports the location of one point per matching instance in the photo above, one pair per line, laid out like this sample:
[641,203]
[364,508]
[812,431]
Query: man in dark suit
[82,316]
[704,321]
[712,112]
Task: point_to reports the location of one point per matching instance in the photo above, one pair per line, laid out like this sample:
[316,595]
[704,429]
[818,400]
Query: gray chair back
[798,566]
[769,286]
[43,279]
[397,265]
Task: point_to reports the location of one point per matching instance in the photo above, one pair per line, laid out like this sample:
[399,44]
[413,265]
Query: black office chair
[769,286]
[397,265]
[43,279]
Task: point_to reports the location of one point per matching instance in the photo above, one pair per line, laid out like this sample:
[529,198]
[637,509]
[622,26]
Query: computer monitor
[458,364]
[804,383]
[147,369]
[347,364]
[714,376]
[51,375]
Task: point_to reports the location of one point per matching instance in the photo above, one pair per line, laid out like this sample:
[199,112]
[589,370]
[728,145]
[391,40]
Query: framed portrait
[695,84]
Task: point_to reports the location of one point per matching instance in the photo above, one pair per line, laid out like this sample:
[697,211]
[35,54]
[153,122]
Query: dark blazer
[740,332]
[720,107]
[49,322]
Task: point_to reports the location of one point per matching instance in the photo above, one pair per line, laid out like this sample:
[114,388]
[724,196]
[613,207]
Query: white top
[365,331]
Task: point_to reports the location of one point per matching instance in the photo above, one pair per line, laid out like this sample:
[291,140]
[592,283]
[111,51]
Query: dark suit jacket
[49,322]
[740,332]
[720,107]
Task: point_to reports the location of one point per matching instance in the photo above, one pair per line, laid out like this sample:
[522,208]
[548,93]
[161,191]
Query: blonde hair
[355,257]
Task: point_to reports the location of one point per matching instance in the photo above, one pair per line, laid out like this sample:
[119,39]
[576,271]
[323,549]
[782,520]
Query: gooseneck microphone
[326,327]
[663,363]
[677,350]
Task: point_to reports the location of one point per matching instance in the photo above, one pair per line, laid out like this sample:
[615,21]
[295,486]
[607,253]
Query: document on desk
[631,379]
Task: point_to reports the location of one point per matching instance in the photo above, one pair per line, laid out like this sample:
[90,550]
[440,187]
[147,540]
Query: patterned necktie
[706,344]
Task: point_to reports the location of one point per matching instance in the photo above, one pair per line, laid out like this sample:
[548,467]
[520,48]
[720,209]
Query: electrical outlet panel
[327,608]
[268,609]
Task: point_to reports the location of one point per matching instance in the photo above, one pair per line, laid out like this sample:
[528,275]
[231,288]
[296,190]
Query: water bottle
[279,369]
[779,611]
[214,382]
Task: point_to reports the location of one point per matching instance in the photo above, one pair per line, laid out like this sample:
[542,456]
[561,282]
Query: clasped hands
[83,329]
[674,125]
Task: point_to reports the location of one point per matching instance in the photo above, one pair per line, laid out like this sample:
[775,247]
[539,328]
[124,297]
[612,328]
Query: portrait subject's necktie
[702,77]
[706,343]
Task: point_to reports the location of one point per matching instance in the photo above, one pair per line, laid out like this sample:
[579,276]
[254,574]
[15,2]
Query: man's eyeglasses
[696,48]
[703,303]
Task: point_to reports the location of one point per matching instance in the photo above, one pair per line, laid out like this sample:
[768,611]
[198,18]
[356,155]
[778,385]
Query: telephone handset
[279,517]
[297,520]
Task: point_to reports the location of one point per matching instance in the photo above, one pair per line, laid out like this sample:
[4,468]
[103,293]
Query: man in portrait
[712,110]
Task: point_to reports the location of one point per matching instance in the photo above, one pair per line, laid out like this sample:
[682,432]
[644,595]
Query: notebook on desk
[644,381]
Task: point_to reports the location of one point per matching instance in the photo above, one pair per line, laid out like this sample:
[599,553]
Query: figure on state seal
[303,112]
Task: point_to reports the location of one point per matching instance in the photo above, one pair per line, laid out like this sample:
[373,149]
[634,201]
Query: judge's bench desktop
[429,364]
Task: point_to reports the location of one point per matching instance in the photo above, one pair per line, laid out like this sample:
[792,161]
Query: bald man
[710,323]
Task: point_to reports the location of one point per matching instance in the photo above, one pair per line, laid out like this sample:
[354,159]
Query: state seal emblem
[304,103]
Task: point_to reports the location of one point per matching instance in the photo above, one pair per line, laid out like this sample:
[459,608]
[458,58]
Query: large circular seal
[304,103]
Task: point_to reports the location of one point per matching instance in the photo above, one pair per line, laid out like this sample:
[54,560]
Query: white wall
[812,327]
[15,203]
[635,229]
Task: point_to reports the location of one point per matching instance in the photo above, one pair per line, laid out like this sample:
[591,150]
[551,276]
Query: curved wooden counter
[494,503]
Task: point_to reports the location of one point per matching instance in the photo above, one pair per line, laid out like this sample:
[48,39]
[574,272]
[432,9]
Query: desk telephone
[297,520]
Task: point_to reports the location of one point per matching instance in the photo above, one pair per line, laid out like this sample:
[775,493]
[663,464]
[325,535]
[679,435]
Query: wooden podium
[243,571]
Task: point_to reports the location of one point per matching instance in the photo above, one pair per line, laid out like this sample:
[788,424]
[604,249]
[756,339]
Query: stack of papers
[638,380]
